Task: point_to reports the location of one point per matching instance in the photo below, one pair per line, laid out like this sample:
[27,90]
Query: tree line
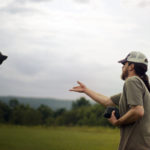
[82,113]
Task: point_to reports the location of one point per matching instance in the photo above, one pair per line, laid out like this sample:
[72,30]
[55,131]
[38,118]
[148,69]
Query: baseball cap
[136,57]
[2,58]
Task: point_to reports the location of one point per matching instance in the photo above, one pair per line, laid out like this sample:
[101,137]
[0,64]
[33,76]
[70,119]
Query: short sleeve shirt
[135,135]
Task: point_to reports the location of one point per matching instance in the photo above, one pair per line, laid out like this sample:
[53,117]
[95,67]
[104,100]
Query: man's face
[125,72]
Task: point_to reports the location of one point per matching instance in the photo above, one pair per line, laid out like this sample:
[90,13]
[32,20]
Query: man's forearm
[131,116]
[104,100]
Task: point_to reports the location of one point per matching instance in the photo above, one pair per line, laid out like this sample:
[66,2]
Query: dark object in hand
[2,58]
[108,112]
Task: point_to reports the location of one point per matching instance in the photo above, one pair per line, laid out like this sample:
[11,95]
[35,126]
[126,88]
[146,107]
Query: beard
[124,74]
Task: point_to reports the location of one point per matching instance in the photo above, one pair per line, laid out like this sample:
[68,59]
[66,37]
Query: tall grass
[58,138]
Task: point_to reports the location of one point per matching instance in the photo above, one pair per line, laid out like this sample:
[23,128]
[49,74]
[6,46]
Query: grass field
[58,138]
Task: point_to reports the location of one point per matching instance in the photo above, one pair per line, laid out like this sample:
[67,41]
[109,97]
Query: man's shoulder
[133,79]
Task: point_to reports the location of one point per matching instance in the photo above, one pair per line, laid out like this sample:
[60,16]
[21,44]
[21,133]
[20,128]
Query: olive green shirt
[135,136]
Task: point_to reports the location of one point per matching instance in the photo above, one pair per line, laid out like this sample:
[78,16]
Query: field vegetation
[83,127]
[58,138]
[82,113]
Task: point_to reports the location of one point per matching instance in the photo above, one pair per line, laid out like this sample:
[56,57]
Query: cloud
[138,3]
[144,3]
[21,6]
[40,0]
[15,7]
[82,1]
[51,45]
[35,1]
[55,78]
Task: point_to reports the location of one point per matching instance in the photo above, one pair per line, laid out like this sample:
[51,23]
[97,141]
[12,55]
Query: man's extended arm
[104,100]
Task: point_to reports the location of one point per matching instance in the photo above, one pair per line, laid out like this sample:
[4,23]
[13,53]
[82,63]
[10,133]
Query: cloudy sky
[53,43]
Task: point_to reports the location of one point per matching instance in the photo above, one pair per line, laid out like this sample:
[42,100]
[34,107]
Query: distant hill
[36,102]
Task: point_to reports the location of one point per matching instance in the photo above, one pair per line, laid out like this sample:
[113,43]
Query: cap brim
[123,61]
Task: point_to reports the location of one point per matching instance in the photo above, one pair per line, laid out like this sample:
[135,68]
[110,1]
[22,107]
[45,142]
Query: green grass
[58,138]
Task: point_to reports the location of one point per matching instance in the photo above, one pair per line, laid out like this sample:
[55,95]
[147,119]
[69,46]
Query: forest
[82,113]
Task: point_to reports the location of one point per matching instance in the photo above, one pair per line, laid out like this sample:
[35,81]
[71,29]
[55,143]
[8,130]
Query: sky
[52,44]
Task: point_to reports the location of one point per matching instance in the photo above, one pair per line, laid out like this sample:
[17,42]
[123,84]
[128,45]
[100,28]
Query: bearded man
[133,103]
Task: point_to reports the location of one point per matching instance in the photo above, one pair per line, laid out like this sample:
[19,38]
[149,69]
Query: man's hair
[140,70]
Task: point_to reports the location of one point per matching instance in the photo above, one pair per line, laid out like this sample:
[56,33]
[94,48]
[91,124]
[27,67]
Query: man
[133,102]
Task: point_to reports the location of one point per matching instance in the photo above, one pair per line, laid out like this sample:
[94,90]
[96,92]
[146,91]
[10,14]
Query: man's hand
[134,114]
[81,88]
[113,120]
[104,100]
